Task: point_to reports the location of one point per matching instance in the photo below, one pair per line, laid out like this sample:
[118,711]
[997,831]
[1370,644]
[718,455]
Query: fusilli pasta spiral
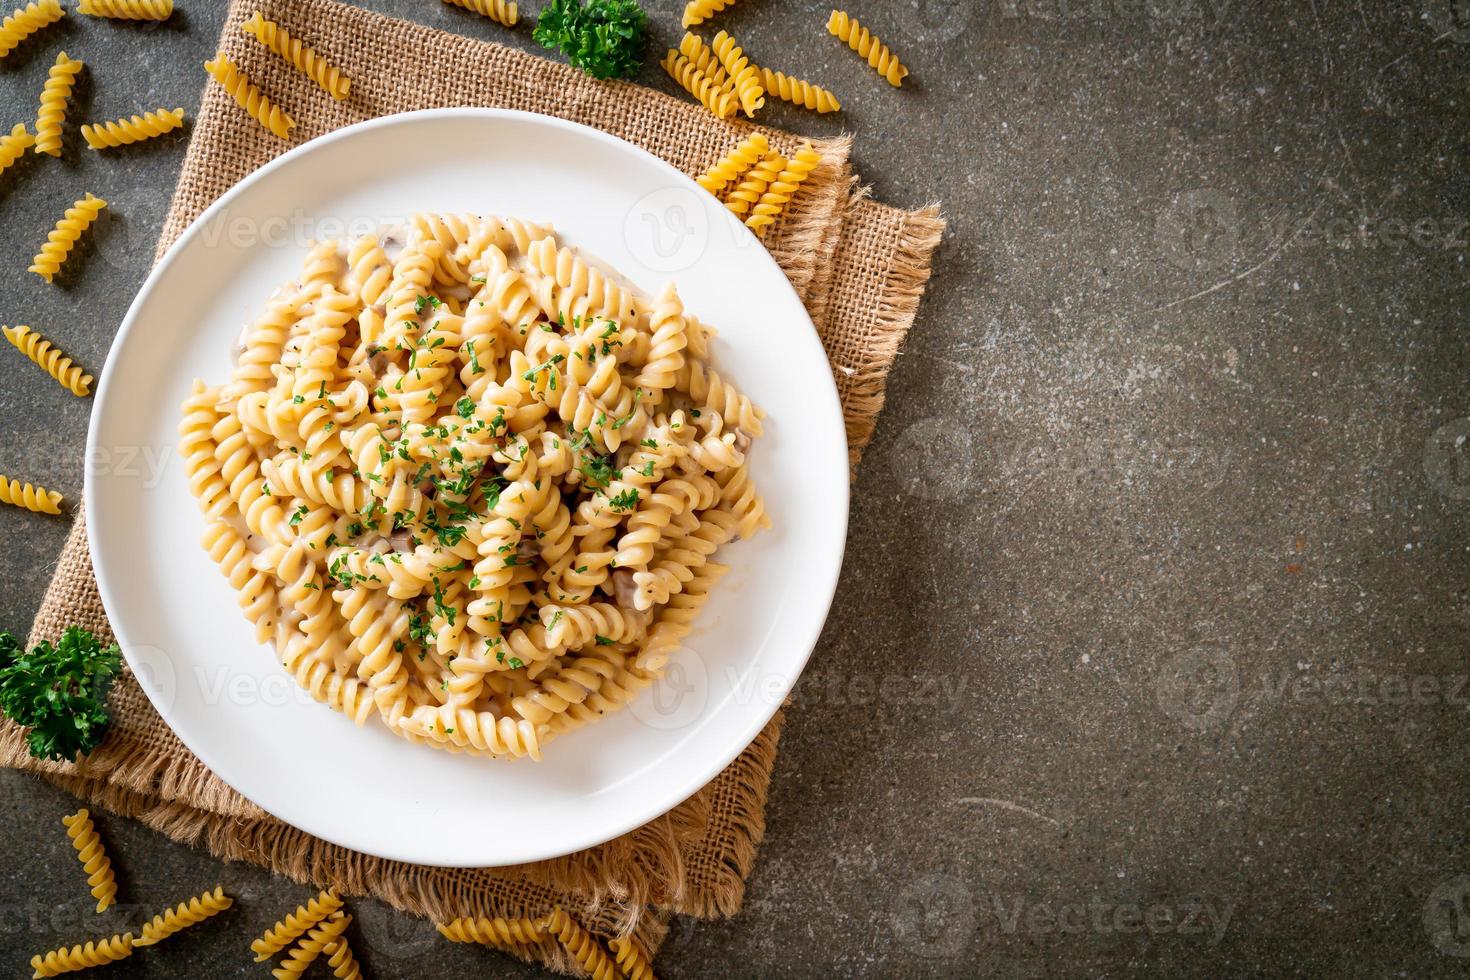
[249,97]
[716,99]
[54,95]
[300,56]
[135,129]
[703,57]
[743,75]
[26,21]
[733,165]
[493,932]
[500,11]
[747,193]
[773,202]
[64,236]
[183,915]
[340,959]
[51,360]
[799,92]
[632,961]
[127,9]
[285,932]
[94,859]
[13,144]
[585,949]
[98,952]
[863,41]
[305,952]
[699,11]
[23,495]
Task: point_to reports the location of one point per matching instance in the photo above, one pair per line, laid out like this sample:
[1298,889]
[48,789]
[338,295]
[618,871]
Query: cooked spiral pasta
[632,960]
[23,495]
[51,360]
[773,202]
[127,9]
[65,235]
[500,11]
[299,55]
[99,952]
[757,181]
[493,932]
[733,165]
[585,949]
[285,932]
[716,99]
[13,144]
[799,92]
[94,859]
[305,952]
[135,129]
[863,41]
[26,21]
[183,915]
[435,481]
[743,75]
[699,11]
[54,95]
[249,97]
[340,959]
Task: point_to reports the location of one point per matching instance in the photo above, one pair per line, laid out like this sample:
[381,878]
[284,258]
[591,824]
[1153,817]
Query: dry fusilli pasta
[38,499]
[704,59]
[500,11]
[861,40]
[55,93]
[283,933]
[493,932]
[475,478]
[733,165]
[119,132]
[747,193]
[26,21]
[13,144]
[340,959]
[127,9]
[799,92]
[249,97]
[183,915]
[64,236]
[721,101]
[300,56]
[305,952]
[743,75]
[99,952]
[699,11]
[585,949]
[51,360]
[632,961]
[94,859]
[773,202]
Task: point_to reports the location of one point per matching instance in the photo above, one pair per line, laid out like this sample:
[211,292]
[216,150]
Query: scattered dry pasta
[493,932]
[59,82]
[283,933]
[249,97]
[861,40]
[699,11]
[51,360]
[305,952]
[98,952]
[733,165]
[500,11]
[340,960]
[26,21]
[301,57]
[632,961]
[799,92]
[13,144]
[585,949]
[37,499]
[65,235]
[127,9]
[743,75]
[704,59]
[120,132]
[756,182]
[773,202]
[183,915]
[94,859]
[717,99]
[474,478]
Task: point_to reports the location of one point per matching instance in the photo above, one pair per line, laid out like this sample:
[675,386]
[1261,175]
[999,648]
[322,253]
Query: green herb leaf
[604,38]
[59,692]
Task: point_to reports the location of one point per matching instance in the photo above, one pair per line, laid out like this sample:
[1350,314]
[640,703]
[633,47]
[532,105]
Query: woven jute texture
[859,266]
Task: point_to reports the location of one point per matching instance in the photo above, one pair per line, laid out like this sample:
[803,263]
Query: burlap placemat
[693,860]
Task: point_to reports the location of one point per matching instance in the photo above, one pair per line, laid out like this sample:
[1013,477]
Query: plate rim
[821,596]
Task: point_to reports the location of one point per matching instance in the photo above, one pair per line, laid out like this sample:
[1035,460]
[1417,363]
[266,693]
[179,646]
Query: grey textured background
[1150,650]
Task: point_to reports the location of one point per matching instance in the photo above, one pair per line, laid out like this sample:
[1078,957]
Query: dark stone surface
[1150,654]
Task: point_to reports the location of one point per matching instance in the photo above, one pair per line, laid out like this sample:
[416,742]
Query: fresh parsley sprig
[604,38]
[59,692]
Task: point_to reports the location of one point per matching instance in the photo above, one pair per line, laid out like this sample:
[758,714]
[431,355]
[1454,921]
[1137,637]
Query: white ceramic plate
[227,697]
